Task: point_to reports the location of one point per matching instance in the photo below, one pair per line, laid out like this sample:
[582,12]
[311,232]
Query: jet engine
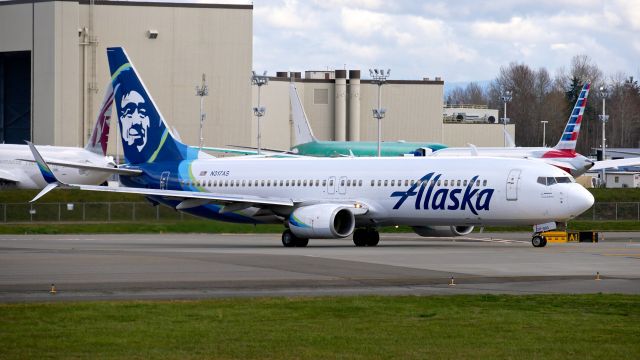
[442,231]
[322,221]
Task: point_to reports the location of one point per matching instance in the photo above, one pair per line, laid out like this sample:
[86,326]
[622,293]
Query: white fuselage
[28,176]
[505,191]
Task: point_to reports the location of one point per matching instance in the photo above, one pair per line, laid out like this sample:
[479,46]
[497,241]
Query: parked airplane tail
[572,130]
[146,138]
[99,138]
[301,126]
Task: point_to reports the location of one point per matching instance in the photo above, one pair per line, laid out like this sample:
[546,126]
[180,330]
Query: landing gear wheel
[288,239]
[302,242]
[360,237]
[538,241]
[373,238]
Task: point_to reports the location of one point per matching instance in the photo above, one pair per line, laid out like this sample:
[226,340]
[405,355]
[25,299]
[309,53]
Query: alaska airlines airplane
[328,198]
[18,170]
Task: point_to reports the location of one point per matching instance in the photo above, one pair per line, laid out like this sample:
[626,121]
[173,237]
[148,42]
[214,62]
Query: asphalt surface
[193,266]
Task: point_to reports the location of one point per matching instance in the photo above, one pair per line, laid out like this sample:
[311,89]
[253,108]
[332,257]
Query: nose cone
[581,200]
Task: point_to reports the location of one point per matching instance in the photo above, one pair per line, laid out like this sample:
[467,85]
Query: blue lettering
[428,196]
[454,198]
[439,199]
[468,194]
[472,198]
[423,182]
[486,196]
[404,195]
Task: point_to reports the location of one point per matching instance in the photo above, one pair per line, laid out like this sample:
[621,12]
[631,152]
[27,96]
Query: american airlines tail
[301,126]
[99,138]
[572,130]
[146,138]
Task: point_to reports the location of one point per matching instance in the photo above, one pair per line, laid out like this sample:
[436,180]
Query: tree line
[536,96]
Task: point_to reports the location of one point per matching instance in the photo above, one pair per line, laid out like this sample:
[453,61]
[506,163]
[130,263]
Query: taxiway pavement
[191,266]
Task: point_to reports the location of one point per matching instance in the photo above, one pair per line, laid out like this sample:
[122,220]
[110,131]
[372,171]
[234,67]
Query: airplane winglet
[474,150]
[46,172]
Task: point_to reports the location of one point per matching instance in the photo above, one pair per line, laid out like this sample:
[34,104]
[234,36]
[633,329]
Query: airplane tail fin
[146,138]
[99,138]
[572,130]
[301,126]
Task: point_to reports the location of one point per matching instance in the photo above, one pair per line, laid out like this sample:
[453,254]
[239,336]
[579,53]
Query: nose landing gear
[537,240]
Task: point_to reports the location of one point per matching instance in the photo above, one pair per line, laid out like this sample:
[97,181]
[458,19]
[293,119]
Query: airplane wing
[605,164]
[7,176]
[188,198]
[112,170]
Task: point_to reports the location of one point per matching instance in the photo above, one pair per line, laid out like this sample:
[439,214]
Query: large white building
[53,71]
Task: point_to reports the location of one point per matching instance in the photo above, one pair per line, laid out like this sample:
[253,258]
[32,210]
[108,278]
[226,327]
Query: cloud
[461,41]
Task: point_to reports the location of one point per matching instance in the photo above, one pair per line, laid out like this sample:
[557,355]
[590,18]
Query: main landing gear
[290,240]
[537,240]
[366,237]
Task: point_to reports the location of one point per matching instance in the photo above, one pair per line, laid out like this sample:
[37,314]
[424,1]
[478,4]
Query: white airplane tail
[301,126]
[572,130]
[99,138]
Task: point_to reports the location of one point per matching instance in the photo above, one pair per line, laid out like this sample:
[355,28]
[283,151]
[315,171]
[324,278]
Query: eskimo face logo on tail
[428,195]
[140,124]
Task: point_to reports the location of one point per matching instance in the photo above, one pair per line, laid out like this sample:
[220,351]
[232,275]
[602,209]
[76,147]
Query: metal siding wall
[44,74]
[460,135]
[276,128]
[321,117]
[67,94]
[414,112]
[15,27]
[190,41]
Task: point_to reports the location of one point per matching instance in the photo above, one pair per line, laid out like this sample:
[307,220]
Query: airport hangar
[53,53]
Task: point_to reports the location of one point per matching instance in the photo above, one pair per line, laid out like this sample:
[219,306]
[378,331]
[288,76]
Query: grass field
[455,327]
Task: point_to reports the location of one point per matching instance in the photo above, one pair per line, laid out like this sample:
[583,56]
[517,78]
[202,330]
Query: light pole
[544,133]
[379,78]
[506,97]
[604,92]
[202,91]
[259,111]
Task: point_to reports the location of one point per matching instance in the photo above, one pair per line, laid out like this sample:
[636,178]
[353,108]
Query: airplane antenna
[202,91]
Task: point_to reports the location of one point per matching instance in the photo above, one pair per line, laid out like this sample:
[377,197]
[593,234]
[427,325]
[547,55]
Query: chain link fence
[89,212]
[142,211]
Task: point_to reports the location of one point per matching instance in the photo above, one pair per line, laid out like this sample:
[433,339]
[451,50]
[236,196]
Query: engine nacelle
[442,231]
[322,221]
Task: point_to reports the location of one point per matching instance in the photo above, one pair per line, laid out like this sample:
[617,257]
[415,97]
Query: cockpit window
[555,180]
[563,180]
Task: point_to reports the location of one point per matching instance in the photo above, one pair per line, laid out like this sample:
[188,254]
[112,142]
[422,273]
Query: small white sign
[544,227]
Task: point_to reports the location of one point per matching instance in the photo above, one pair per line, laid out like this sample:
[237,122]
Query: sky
[460,41]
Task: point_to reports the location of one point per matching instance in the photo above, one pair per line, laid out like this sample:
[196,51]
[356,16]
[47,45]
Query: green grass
[408,327]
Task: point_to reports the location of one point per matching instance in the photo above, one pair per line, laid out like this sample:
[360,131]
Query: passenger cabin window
[484,182]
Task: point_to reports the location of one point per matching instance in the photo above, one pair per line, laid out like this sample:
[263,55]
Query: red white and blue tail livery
[572,130]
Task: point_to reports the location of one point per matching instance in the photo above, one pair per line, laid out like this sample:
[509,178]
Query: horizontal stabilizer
[111,170]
